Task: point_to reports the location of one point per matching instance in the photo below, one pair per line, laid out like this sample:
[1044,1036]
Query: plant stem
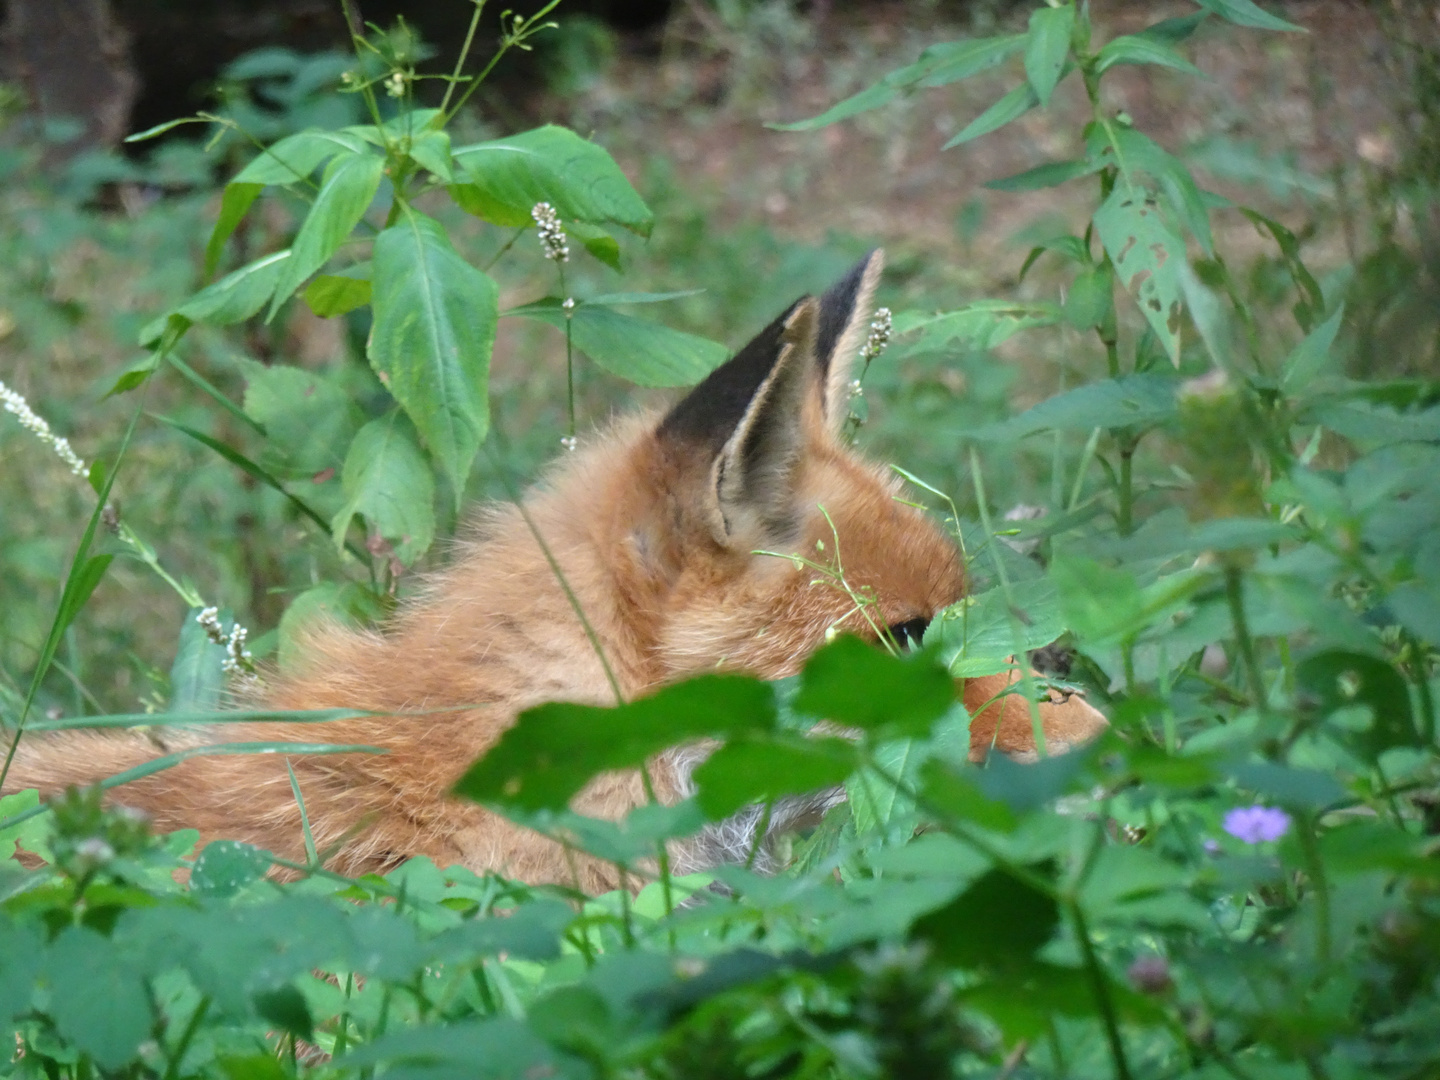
[1124,516]
[1235,594]
[464,54]
[1102,991]
[1315,867]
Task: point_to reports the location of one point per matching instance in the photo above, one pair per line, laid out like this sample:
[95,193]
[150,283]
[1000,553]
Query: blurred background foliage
[1336,133]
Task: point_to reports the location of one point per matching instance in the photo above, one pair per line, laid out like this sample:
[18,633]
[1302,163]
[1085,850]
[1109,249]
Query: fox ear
[845,312]
[748,413]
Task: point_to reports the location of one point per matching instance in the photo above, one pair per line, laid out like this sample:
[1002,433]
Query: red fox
[658,529]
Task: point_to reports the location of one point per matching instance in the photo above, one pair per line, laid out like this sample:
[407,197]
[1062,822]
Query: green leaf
[79,588]
[981,325]
[642,352]
[862,686]
[1310,356]
[431,151]
[938,65]
[1012,106]
[1103,604]
[1142,49]
[224,867]
[597,242]
[348,189]
[30,835]
[295,157]
[978,634]
[1091,300]
[998,922]
[507,177]
[1307,788]
[431,341]
[97,998]
[387,479]
[286,1008]
[1051,174]
[550,753]
[1046,47]
[197,677]
[1147,256]
[1174,31]
[308,419]
[1337,679]
[327,602]
[1133,401]
[235,203]
[234,298]
[1135,151]
[335,294]
[1029,787]
[747,771]
[1246,13]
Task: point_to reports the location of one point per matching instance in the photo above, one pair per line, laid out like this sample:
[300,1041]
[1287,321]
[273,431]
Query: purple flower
[1253,824]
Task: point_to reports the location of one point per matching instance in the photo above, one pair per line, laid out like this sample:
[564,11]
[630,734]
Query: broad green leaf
[550,753]
[998,922]
[387,479]
[1046,47]
[597,242]
[1247,13]
[938,65]
[746,771]
[348,189]
[503,179]
[1140,49]
[1311,355]
[431,150]
[862,686]
[308,420]
[978,635]
[1012,106]
[1052,174]
[431,341]
[1337,680]
[234,298]
[327,602]
[1147,256]
[295,157]
[642,352]
[224,867]
[876,804]
[1308,788]
[197,677]
[235,203]
[1129,401]
[1091,299]
[97,998]
[335,294]
[982,325]
[1103,604]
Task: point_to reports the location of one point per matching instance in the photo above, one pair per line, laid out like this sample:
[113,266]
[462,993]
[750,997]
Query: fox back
[663,533]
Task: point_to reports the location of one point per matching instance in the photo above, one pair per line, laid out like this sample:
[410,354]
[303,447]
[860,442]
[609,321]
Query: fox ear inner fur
[749,411]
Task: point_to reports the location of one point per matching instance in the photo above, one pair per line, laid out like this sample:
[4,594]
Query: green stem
[172,1068]
[1101,990]
[1124,516]
[1315,867]
[464,55]
[1235,594]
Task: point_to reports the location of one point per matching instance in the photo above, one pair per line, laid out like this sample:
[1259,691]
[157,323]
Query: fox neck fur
[657,533]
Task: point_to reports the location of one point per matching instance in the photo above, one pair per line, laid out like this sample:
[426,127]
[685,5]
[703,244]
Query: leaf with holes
[1147,255]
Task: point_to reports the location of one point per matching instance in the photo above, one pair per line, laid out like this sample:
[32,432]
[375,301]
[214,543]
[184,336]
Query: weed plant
[1238,550]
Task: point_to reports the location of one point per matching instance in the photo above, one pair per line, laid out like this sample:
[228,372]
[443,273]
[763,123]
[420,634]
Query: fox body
[657,530]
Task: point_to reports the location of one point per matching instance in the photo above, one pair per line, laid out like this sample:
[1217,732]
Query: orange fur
[655,526]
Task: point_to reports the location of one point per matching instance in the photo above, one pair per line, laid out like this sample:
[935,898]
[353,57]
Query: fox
[663,531]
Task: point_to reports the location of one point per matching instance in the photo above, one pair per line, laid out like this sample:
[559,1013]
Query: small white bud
[552,233]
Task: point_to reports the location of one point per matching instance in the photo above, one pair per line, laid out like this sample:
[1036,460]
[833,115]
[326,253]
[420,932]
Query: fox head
[770,532]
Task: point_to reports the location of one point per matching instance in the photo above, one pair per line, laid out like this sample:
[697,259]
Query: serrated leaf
[1012,106]
[645,353]
[1247,13]
[387,479]
[1147,256]
[348,189]
[431,340]
[1130,401]
[981,325]
[503,179]
[1140,49]
[938,65]
[1046,47]
[197,676]
[308,419]
[234,298]
[978,635]
[550,753]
